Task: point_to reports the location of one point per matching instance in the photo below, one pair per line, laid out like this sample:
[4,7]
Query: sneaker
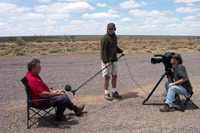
[116,95]
[62,118]
[79,110]
[166,108]
[108,97]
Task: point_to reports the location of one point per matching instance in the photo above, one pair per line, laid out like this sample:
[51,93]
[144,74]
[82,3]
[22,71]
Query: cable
[132,76]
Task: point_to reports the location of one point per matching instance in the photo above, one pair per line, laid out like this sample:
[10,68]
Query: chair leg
[179,103]
[28,117]
[41,117]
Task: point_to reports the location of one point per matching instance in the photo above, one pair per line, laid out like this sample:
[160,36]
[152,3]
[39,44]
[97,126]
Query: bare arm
[178,82]
[51,94]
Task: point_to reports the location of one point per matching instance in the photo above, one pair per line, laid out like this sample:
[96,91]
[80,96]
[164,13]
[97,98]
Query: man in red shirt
[39,90]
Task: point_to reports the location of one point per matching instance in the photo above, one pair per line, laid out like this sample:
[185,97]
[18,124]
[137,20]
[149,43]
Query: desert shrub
[190,44]
[198,48]
[152,48]
[71,49]
[19,41]
[39,41]
[43,53]
[190,47]
[20,53]
[149,51]
[173,47]
[53,50]
[134,48]
[3,52]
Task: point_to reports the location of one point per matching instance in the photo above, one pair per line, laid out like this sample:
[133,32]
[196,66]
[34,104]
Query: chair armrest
[39,100]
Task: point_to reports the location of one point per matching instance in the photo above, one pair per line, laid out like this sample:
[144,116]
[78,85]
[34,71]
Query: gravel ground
[126,115]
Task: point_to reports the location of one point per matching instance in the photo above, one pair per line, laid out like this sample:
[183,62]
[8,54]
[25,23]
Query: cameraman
[181,85]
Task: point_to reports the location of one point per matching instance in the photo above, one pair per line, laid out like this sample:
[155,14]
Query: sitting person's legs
[61,102]
[175,89]
[171,92]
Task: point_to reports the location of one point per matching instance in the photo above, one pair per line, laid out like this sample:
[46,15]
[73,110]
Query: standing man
[109,50]
[181,85]
[39,90]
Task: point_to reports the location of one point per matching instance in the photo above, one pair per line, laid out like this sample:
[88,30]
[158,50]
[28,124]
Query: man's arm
[180,81]
[46,94]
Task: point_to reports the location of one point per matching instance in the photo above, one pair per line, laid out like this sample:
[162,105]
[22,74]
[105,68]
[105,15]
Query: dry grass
[62,45]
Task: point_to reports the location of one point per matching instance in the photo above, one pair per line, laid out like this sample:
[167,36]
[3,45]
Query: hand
[170,84]
[123,53]
[107,65]
[60,92]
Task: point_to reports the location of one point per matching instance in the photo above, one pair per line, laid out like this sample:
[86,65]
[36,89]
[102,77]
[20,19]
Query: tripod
[168,73]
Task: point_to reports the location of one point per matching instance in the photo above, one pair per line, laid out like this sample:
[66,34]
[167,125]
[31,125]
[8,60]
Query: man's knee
[107,78]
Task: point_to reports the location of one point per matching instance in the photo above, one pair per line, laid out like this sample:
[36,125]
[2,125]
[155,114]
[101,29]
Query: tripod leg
[154,89]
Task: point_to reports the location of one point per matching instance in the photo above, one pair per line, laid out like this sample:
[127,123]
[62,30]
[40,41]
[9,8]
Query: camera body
[165,59]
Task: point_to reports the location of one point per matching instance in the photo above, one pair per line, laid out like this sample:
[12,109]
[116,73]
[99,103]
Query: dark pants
[61,102]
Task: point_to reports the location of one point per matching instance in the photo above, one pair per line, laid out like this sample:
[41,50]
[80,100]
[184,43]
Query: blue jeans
[175,89]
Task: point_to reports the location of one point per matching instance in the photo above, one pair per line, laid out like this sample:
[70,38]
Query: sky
[90,17]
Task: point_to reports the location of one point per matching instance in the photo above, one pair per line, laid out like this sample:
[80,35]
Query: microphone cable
[132,76]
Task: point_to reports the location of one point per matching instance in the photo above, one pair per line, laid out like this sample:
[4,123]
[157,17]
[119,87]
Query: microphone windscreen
[67,87]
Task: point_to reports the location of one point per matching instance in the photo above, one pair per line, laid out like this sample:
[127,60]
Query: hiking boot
[166,108]
[79,110]
[62,118]
[108,97]
[116,95]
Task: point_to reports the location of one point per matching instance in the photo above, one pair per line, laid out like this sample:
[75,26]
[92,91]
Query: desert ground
[99,115]
[74,59]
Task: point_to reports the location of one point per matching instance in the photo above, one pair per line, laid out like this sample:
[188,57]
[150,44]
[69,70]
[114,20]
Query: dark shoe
[79,110]
[108,97]
[116,95]
[166,108]
[62,118]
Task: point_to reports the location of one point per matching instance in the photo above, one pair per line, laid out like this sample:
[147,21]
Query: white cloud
[187,10]
[5,7]
[111,11]
[103,15]
[44,0]
[189,18]
[65,8]
[131,4]
[101,5]
[57,16]
[125,20]
[159,20]
[48,22]
[2,24]
[188,2]
[37,16]
[11,19]
[167,11]
[32,16]
[142,13]
[185,1]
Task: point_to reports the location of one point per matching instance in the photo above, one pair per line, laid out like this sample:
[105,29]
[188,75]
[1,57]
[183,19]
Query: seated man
[181,85]
[39,90]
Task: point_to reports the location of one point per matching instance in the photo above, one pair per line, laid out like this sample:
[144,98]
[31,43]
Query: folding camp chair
[183,106]
[32,111]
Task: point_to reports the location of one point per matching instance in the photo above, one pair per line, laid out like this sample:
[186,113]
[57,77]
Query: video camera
[165,59]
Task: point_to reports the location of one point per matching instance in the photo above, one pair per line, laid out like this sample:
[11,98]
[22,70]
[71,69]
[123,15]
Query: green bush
[19,41]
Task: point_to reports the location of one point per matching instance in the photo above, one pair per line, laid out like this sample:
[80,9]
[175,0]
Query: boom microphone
[68,87]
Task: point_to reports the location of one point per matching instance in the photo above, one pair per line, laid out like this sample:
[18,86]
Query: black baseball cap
[111,26]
